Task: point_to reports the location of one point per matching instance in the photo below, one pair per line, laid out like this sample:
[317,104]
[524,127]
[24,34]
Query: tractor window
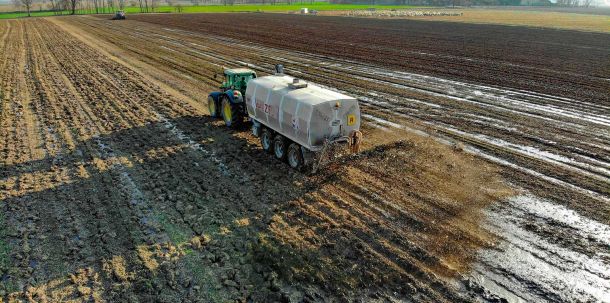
[229,80]
[248,77]
[242,81]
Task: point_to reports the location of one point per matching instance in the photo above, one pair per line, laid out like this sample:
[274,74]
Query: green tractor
[229,102]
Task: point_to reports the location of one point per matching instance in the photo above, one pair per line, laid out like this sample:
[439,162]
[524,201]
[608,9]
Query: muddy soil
[117,186]
[566,63]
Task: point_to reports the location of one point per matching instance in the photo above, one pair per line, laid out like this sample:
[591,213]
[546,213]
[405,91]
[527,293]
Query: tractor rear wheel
[280,147]
[295,157]
[267,140]
[213,108]
[230,113]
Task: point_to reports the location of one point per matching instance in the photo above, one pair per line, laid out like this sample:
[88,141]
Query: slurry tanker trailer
[298,122]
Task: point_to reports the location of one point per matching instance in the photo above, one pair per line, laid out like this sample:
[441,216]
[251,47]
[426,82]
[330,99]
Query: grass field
[11,15]
[320,6]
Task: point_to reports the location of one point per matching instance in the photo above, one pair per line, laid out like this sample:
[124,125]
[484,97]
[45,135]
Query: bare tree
[73,4]
[27,4]
[54,7]
[63,5]
[154,4]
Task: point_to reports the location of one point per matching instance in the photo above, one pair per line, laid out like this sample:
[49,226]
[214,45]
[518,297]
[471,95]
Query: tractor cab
[228,103]
[237,79]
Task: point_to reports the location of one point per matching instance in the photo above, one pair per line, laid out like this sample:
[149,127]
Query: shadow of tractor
[186,209]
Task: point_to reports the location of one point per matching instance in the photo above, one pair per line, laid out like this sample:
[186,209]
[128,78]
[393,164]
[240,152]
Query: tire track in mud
[465,51]
[20,145]
[177,51]
[99,168]
[114,230]
[108,210]
[227,61]
[153,163]
[89,196]
[530,151]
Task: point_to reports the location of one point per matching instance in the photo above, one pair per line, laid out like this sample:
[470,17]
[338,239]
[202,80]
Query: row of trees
[60,7]
[575,3]
[109,6]
[65,5]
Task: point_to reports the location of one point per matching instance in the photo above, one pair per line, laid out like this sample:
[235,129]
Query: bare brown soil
[564,63]
[116,185]
[116,190]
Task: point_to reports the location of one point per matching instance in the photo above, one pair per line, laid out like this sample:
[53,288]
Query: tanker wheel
[295,157]
[280,147]
[230,113]
[267,140]
[213,108]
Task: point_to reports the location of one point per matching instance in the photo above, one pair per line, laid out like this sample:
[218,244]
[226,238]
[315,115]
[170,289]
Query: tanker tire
[230,113]
[295,157]
[267,140]
[213,108]
[280,147]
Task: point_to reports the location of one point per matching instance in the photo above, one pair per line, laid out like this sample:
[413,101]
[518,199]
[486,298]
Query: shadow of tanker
[185,209]
[165,183]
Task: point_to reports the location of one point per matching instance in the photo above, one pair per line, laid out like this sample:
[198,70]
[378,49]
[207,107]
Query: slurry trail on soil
[553,146]
[115,187]
[118,187]
[561,142]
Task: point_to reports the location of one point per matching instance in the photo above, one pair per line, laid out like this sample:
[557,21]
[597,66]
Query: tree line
[61,7]
[149,6]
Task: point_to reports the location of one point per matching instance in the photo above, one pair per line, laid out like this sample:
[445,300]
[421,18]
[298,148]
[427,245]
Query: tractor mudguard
[215,95]
[232,97]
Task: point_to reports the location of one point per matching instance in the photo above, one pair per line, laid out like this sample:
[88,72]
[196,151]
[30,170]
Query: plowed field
[559,62]
[116,186]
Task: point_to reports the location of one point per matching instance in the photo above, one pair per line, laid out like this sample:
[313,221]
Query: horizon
[601,3]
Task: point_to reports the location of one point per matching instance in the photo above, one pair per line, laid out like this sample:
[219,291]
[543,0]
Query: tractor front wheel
[230,113]
[213,108]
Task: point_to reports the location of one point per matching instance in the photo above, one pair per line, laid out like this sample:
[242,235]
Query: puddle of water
[584,226]
[529,266]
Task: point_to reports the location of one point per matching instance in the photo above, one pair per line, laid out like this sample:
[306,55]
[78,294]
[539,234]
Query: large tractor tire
[267,140]
[230,113]
[213,107]
[295,157]
[280,147]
